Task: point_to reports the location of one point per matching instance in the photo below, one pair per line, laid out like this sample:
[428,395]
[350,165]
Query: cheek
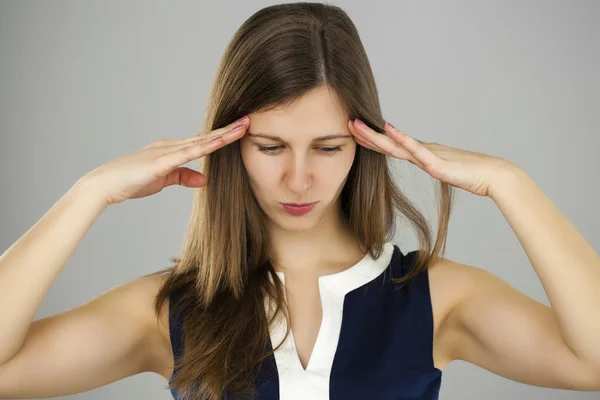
[338,169]
[260,171]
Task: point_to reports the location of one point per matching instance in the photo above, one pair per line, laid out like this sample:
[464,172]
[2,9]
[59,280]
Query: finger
[214,133]
[168,162]
[361,140]
[397,151]
[161,150]
[186,153]
[366,145]
[229,136]
[372,138]
[187,177]
[415,147]
[388,144]
[240,130]
[166,143]
[367,139]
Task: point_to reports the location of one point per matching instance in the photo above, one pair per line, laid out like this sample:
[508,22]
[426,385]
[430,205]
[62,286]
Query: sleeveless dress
[375,342]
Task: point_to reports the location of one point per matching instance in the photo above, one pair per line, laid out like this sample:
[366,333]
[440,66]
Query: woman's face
[297,167]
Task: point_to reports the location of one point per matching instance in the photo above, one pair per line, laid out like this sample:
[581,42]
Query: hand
[471,171]
[158,165]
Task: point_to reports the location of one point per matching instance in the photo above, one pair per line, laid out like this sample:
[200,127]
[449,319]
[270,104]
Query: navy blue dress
[375,342]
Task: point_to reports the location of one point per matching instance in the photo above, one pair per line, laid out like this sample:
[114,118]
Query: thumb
[187,177]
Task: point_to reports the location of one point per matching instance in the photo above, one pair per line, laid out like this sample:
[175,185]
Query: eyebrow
[317,139]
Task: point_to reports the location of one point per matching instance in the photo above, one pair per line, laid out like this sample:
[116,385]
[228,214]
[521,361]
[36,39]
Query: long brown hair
[277,55]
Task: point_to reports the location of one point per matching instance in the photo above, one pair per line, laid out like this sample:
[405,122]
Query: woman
[274,298]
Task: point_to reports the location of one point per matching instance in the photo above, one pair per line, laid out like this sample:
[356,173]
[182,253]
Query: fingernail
[391,125]
[241,120]
[361,124]
[217,139]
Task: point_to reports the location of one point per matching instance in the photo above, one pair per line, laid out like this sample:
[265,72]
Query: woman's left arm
[493,325]
[566,264]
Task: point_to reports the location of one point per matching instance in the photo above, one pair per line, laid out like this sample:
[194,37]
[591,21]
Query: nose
[298,175]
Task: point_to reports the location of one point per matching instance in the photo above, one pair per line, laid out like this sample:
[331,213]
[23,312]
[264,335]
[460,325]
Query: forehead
[319,112]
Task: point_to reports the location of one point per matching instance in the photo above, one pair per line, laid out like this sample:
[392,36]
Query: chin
[293,223]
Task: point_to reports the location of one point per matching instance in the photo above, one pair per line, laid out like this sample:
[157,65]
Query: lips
[298,209]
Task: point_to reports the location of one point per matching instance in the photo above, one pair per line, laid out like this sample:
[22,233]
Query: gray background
[83,82]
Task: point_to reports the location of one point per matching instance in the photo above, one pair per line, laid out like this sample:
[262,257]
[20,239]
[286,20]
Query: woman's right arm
[29,267]
[106,339]
[116,334]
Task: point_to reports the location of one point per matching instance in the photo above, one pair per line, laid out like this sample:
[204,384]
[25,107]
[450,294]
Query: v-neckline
[332,290]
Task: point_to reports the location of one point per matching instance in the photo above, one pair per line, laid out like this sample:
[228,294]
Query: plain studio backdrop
[84,82]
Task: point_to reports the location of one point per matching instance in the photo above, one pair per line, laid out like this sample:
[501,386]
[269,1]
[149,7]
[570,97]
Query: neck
[327,248]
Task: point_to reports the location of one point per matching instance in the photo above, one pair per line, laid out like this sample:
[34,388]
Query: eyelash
[328,151]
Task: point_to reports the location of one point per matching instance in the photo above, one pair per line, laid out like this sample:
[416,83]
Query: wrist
[508,177]
[86,189]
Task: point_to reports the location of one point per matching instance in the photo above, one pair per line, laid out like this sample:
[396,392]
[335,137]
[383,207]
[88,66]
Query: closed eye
[329,151]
